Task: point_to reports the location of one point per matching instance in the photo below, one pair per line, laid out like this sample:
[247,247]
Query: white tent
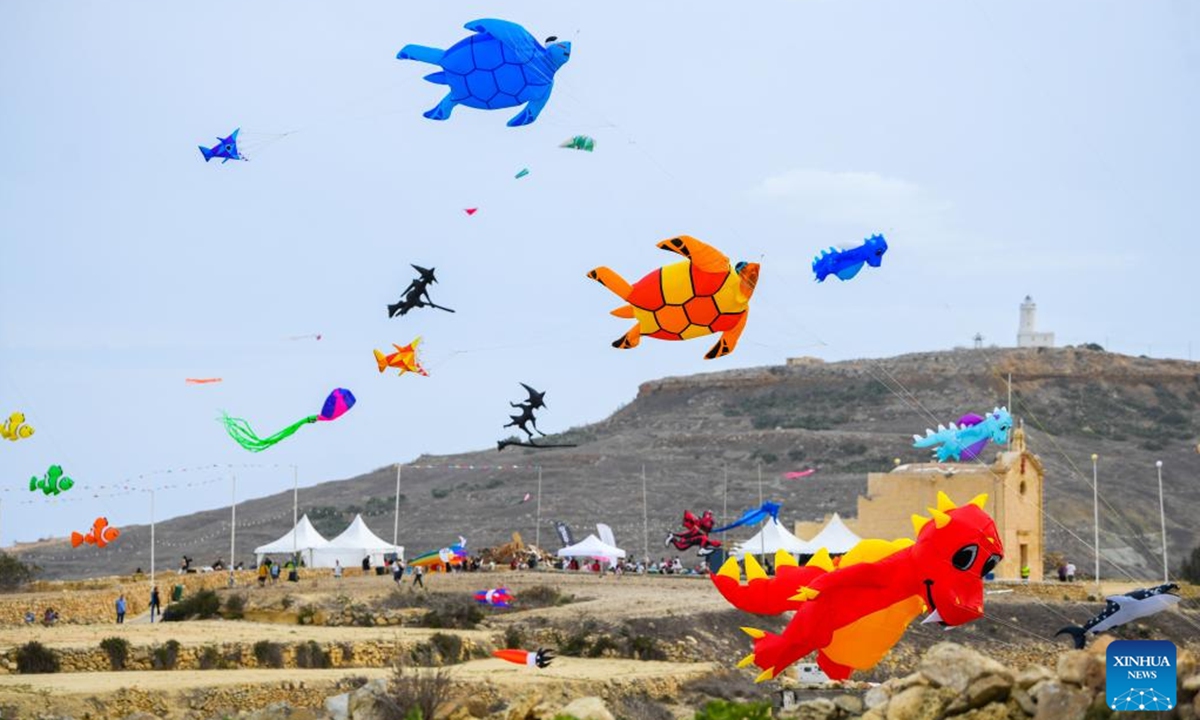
[835,537]
[592,546]
[303,539]
[356,542]
[774,536]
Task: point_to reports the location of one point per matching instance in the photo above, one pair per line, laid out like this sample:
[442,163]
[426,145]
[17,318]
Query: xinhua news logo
[1141,675]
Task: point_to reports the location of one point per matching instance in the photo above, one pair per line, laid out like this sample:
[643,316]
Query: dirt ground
[1019,629]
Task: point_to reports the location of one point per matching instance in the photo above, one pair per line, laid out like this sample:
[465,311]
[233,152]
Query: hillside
[845,419]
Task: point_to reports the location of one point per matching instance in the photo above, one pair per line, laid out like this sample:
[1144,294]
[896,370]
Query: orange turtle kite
[705,294]
[404,359]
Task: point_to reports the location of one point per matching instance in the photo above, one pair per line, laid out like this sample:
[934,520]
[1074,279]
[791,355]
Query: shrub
[311,655]
[514,636]
[1190,570]
[601,644]
[723,684]
[726,710]
[14,573]
[210,659]
[166,656]
[235,607]
[287,602]
[645,647]
[440,493]
[540,596]
[117,649]
[415,695]
[203,605]
[456,613]
[307,615]
[34,657]
[448,647]
[268,654]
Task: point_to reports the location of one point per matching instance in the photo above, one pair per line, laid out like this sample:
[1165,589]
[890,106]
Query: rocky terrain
[689,433]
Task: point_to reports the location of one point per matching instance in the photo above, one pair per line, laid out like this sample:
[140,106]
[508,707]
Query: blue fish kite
[755,516]
[952,441]
[500,66]
[846,263]
[226,149]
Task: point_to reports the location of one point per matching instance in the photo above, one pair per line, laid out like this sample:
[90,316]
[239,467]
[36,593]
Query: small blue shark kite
[226,149]
[500,66]
[952,441]
[846,263]
[1122,609]
[755,516]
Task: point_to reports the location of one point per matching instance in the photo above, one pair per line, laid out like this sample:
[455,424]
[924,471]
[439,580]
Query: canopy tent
[835,537]
[771,537]
[593,547]
[303,539]
[356,542]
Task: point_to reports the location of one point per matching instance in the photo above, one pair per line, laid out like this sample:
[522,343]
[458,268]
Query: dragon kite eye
[965,557]
[990,564]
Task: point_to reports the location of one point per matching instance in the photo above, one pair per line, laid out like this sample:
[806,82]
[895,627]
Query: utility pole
[537,531]
[645,518]
[1096,516]
[295,510]
[1162,514]
[396,519]
[151,537]
[232,525]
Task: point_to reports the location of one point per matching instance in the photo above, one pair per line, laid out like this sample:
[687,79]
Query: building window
[1022,488]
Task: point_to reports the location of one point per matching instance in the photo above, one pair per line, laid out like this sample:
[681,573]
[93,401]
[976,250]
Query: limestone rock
[1058,701]
[1032,675]
[984,690]
[1024,701]
[587,708]
[849,704]
[369,701]
[523,708]
[916,703]
[1082,668]
[877,696]
[954,666]
[338,706]
[282,711]
[816,709]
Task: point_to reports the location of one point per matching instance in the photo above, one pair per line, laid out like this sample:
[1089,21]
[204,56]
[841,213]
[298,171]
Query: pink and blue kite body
[500,66]
[845,264]
[336,405]
[496,597]
[225,150]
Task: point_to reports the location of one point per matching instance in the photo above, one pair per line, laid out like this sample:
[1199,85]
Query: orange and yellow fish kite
[404,359]
[14,428]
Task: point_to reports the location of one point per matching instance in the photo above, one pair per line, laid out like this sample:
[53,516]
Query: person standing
[337,569]
[120,609]
[1070,572]
[155,606]
[418,571]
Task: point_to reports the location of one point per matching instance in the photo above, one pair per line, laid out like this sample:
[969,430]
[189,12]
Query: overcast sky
[1003,149]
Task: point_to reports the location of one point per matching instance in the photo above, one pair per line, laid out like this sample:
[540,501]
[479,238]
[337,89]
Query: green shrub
[456,613]
[14,573]
[268,654]
[348,654]
[210,659]
[645,647]
[117,649]
[34,657]
[726,710]
[416,695]
[311,655]
[440,493]
[540,596]
[203,605]
[306,615]
[1190,570]
[601,644]
[235,607]
[514,636]
[448,647]
[166,656]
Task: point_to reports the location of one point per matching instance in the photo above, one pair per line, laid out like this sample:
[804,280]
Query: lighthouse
[1027,334]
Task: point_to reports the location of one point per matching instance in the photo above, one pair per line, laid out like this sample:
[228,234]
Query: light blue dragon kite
[951,441]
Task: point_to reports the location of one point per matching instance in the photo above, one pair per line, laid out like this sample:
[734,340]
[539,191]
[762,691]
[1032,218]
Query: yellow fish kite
[14,428]
[404,359]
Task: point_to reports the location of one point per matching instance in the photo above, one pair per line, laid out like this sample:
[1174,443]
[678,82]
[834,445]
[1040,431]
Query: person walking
[1070,572]
[337,569]
[155,606]
[397,572]
[418,571]
[120,609]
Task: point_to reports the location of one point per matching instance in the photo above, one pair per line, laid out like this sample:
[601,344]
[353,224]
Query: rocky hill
[845,419]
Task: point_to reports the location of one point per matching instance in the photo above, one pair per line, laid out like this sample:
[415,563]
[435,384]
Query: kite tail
[1078,634]
[206,153]
[76,539]
[245,436]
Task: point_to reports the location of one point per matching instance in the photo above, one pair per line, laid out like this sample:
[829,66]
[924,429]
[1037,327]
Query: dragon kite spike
[944,503]
[730,569]
[940,519]
[918,522]
[979,500]
[754,571]
[783,558]
[821,559]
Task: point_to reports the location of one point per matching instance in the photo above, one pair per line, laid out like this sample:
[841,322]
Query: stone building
[1013,483]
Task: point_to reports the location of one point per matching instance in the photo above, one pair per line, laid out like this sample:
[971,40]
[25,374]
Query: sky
[1030,148]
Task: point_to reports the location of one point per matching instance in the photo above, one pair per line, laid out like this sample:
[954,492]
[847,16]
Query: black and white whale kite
[1121,609]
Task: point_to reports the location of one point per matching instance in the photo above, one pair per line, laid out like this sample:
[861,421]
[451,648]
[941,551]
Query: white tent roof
[359,537]
[591,546]
[772,537]
[305,537]
[835,537]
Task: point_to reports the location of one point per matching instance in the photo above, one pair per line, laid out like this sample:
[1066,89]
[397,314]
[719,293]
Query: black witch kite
[416,295]
[526,420]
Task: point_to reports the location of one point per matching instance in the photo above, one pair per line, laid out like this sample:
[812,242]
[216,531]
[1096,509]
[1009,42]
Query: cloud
[853,198]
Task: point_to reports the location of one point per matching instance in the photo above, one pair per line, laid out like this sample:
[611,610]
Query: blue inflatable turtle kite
[500,66]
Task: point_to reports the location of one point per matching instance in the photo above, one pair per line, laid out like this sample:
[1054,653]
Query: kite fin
[629,339]
[421,53]
[443,109]
[625,311]
[848,272]
[437,78]
[612,281]
[1078,634]
[702,255]
[208,154]
[728,341]
[381,360]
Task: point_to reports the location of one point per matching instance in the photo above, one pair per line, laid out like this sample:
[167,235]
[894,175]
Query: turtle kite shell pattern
[681,301]
[484,73]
